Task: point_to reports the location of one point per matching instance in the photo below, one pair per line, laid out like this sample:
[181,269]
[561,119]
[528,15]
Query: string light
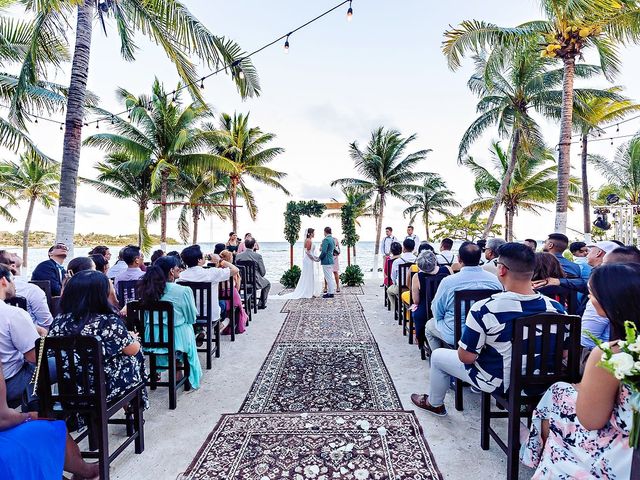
[224,67]
[617,128]
[286,44]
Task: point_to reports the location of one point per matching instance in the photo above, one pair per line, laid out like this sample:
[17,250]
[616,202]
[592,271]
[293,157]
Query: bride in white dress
[309,284]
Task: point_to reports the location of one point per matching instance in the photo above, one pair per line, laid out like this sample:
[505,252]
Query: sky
[339,81]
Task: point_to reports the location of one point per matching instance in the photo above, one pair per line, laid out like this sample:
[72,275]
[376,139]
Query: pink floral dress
[573,452]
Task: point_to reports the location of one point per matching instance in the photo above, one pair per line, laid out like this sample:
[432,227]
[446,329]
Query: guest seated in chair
[52,269]
[394,253]
[86,310]
[407,257]
[158,284]
[134,259]
[250,255]
[582,431]
[32,449]
[484,352]
[242,319]
[439,329]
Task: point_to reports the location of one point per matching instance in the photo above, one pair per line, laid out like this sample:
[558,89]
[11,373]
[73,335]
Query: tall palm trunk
[509,227]
[564,156]
[196,218]
[164,187]
[25,233]
[73,126]
[506,180]
[426,225]
[234,205]
[586,207]
[142,226]
[379,220]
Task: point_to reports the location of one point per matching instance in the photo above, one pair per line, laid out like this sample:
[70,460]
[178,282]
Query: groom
[326,260]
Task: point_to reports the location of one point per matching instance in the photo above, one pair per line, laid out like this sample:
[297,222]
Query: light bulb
[286,45]
[241,75]
[349,14]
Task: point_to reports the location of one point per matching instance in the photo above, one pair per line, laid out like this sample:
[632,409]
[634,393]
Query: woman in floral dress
[582,431]
[86,310]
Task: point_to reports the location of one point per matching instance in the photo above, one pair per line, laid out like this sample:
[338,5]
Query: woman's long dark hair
[547,266]
[617,288]
[85,295]
[152,285]
[100,261]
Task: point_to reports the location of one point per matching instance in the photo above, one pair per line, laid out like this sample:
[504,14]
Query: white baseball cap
[606,246]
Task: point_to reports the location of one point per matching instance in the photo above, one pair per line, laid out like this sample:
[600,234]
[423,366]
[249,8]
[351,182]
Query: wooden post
[348,255]
[291,255]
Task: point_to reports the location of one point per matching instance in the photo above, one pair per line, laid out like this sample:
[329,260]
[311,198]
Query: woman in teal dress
[158,284]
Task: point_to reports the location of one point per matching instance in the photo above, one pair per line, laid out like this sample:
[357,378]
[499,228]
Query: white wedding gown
[309,284]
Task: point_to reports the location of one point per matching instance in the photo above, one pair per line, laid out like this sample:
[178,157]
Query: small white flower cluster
[624,364]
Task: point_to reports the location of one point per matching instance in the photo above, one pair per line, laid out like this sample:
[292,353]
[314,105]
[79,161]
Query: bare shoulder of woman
[307,243]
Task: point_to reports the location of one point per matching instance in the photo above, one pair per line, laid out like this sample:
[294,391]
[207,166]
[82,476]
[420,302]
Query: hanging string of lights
[234,66]
[606,127]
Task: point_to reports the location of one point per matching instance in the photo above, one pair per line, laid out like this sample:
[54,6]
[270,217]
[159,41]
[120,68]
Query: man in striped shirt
[483,358]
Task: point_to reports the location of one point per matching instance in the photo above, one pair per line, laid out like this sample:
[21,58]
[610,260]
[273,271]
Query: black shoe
[327,295]
[262,306]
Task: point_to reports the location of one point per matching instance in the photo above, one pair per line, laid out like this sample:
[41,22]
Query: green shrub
[352,276]
[291,277]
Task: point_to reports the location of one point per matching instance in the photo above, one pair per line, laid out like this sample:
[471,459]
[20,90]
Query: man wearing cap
[52,269]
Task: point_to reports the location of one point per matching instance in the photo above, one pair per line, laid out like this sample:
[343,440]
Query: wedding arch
[293,221]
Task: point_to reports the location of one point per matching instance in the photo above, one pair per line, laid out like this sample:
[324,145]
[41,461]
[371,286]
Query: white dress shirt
[120,266]
[212,275]
[37,305]
[445,257]
[406,257]
[416,239]
[18,336]
[386,244]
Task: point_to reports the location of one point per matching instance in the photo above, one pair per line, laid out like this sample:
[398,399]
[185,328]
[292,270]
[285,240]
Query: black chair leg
[216,329]
[138,418]
[103,449]
[485,420]
[410,328]
[458,401]
[173,401]
[186,369]
[153,370]
[129,418]
[209,344]
[232,324]
[513,444]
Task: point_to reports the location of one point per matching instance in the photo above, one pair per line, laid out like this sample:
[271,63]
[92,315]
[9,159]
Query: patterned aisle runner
[322,407]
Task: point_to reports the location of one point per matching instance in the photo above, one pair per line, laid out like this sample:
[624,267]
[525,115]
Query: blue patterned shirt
[489,333]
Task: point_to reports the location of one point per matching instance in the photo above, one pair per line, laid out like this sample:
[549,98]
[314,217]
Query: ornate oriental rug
[350,327]
[336,305]
[318,377]
[347,445]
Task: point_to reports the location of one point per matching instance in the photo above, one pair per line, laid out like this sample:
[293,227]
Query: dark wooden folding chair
[251,285]
[127,292]
[432,284]
[567,297]
[537,361]
[80,389]
[245,294]
[462,302]
[45,285]
[407,319]
[155,319]
[203,295]
[17,301]
[225,293]
[403,270]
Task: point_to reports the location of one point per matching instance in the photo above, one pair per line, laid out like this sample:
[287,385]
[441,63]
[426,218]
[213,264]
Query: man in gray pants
[326,260]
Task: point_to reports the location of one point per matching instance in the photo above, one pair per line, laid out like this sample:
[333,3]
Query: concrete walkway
[172,438]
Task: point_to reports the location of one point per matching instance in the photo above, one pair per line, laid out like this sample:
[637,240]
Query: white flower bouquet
[625,366]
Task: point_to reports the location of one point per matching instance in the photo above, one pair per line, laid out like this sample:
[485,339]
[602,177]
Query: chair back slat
[156,320]
[538,356]
[127,292]
[403,268]
[431,287]
[463,300]
[202,294]
[566,297]
[249,277]
[17,301]
[80,382]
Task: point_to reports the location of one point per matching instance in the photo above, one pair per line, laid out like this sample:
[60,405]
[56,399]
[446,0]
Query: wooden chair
[388,283]
[403,270]
[127,291]
[45,285]
[407,318]
[156,321]
[537,362]
[247,296]
[431,286]
[202,295]
[251,283]
[567,297]
[225,293]
[17,301]
[462,302]
[80,388]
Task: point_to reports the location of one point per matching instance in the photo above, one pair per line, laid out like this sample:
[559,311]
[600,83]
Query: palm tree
[244,154]
[36,180]
[360,206]
[119,177]
[160,131]
[386,171]
[570,27]
[204,193]
[6,195]
[589,119]
[531,185]
[433,197]
[624,171]
[168,23]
